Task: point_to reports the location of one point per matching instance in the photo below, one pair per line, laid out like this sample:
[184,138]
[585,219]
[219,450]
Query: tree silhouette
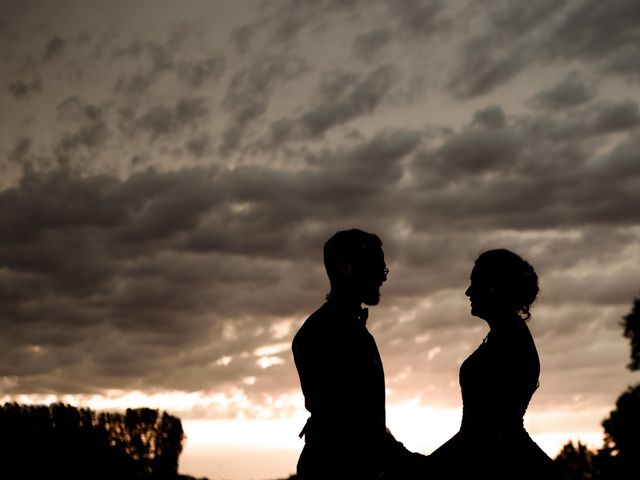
[631,324]
[622,435]
[61,441]
[619,458]
[577,460]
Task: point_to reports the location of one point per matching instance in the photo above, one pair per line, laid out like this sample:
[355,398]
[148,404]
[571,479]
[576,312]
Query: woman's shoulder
[516,347]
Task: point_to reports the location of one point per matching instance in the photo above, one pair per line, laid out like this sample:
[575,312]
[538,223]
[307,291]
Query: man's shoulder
[313,326]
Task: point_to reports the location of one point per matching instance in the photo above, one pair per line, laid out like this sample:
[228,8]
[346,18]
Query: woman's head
[502,283]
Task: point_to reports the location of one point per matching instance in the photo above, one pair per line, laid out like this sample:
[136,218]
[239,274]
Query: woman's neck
[504,321]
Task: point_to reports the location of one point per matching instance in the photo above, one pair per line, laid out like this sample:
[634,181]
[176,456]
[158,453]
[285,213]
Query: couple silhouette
[342,377]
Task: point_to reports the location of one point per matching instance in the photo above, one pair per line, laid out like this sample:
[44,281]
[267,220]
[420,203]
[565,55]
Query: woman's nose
[467,292]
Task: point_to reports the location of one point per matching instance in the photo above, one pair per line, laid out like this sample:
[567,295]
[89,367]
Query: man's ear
[344,266]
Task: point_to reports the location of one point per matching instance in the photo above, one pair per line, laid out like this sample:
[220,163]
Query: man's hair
[348,246]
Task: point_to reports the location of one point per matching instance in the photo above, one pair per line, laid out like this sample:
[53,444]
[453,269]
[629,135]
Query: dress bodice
[498,381]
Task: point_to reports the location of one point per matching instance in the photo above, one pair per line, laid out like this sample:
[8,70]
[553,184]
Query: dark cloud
[291,17]
[133,255]
[77,241]
[6,30]
[590,31]
[241,38]
[489,145]
[133,272]
[25,88]
[594,31]
[342,96]
[504,47]
[122,264]
[490,117]
[90,131]
[507,169]
[54,48]
[568,93]
[20,150]
[199,146]
[416,17]
[167,120]
[482,69]
[519,35]
[171,58]
[369,46]
[616,117]
[587,123]
[516,18]
[197,73]
[249,91]
[136,83]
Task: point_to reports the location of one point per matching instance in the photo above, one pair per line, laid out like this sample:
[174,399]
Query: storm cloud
[168,183]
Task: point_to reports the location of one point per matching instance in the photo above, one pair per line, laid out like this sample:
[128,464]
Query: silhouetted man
[341,372]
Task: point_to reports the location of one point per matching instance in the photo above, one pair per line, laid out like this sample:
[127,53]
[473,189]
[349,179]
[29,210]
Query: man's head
[355,265]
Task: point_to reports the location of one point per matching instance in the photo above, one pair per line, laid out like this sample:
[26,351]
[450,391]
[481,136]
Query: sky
[169,173]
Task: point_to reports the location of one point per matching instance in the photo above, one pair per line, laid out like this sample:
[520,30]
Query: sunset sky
[170,171]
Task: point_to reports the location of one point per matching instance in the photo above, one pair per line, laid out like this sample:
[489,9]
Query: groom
[341,372]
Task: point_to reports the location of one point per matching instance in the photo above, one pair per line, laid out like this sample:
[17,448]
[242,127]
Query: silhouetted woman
[498,380]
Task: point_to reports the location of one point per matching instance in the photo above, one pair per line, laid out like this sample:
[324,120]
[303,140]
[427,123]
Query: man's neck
[349,302]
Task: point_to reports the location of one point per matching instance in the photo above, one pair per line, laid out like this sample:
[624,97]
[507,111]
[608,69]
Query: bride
[497,380]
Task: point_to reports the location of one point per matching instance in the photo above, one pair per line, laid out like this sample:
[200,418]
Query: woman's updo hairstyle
[511,275]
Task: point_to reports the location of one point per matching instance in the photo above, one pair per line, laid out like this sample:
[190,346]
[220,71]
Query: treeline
[62,441]
[619,457]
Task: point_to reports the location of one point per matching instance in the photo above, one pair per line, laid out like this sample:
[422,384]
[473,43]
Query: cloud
[20,150]
[25,88]
[249,91]
[502,49]
[91,130]
[166,59]
[616,117]
[241,38]
[136,83]
[342,96]
[168,221]
[197,73]
[570,92]
[488,147]
[594,31]
[482,69]
[150,273]
[166,120]
[54,48]
[290,18]
[81,243]
[417,17]
[480,170]
[370,45]
[199,146]
[548,32]
[127,283]
[158,60]
[519,35]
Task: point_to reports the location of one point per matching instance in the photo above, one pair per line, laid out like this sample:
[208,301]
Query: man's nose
[467,292]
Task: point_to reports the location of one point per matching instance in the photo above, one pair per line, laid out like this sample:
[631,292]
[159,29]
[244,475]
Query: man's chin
[372,299]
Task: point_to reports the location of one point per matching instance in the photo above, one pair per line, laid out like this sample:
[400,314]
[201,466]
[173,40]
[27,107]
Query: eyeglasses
[372,268]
